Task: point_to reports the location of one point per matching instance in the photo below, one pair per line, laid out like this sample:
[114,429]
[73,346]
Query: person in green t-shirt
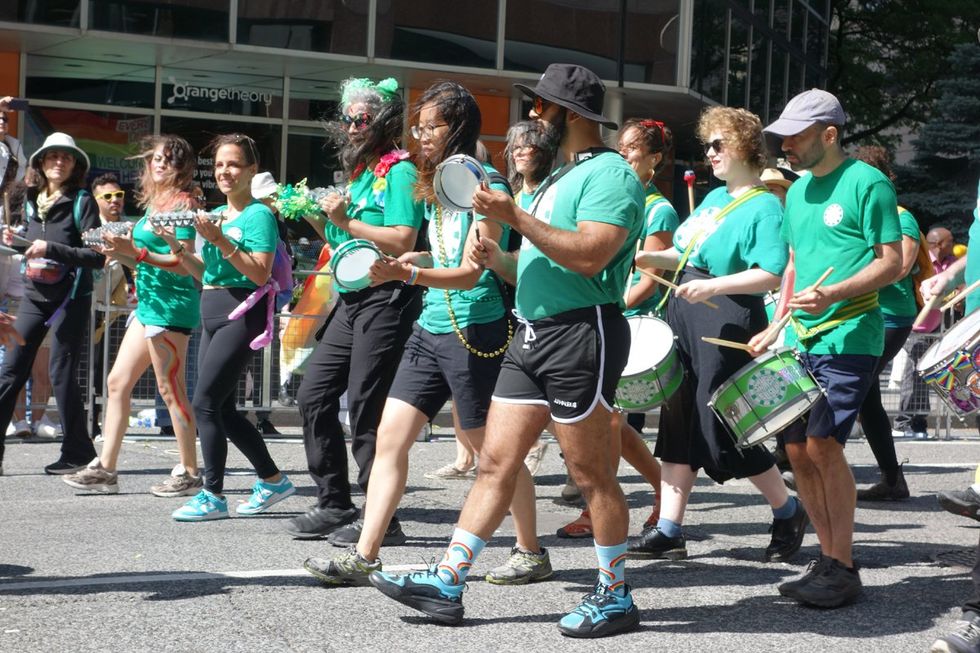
[843,215]
[159,330]
[728,251]
[566,357]
[237,304]
[454,351]
[360,345]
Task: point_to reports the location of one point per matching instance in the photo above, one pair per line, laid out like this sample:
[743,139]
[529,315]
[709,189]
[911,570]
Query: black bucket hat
[574,87]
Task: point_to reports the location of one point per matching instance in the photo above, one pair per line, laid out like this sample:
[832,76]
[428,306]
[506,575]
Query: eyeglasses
[359,121]
[540,104]
[418,131]
[718,145]
[112,195]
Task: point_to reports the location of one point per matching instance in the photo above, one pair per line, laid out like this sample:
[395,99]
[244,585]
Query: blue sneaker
[265,495]
[425,591]
[601,613]
[203,506]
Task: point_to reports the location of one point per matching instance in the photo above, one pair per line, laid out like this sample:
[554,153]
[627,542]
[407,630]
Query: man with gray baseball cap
[844,215]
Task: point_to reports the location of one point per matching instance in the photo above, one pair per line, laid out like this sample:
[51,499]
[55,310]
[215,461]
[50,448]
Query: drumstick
[727,343]
[672,286]
[6,209]
[689,177]
[927,308]
[823,277]
[956,298]
[629,276]
[776,327]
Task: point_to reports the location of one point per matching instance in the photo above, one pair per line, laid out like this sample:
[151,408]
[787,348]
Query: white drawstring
[529,335]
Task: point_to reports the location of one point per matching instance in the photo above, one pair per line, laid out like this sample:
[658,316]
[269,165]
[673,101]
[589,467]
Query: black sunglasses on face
[718,145]
[360,121]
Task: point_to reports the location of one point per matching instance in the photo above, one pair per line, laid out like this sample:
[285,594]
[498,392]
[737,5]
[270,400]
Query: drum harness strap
[702,234]
[847,310]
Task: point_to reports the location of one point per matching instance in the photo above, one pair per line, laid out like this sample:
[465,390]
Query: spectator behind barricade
[14,145]
[778,181]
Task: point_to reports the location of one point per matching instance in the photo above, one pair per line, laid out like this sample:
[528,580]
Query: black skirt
[690,433]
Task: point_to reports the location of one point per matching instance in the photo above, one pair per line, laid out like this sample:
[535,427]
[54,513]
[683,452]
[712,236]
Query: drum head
[957,338]
[455,181]
[350,266]
[650,342]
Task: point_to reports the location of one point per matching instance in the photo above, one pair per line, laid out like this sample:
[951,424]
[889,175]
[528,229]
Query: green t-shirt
[380,202]
[480,304]
[660,216]
[254,230]
[165,298]
[836,220]
[898,299]
[602,188]
[973,261]
[745,238]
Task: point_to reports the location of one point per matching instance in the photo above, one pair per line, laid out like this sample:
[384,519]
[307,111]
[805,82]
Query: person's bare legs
[839,496]
[770,483]
[465,451]
[676,483]
[810,488]
[132,360]
[168,353]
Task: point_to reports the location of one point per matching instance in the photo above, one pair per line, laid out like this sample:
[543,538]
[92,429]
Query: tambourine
[180,218]
[455,181]
[96,237]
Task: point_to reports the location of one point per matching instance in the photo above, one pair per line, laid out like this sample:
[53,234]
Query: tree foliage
[940,183]
[886,56]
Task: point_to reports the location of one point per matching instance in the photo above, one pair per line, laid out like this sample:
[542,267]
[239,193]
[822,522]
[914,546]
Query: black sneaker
[965,503]
[965,637]
[61,467]
[814,569]
[267,427]
[836,586]
[654,545]
[350,534]
[883,491]
[318,522]
[787,535]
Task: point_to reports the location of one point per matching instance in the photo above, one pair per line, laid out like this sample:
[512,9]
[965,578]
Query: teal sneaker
[425,591]
[204,506]
[603,612]
[265,495]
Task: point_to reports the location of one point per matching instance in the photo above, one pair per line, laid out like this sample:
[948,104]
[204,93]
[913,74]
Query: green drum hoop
[351,262]
[653,371]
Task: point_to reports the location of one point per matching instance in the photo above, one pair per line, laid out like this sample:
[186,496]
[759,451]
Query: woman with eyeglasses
[234,263]
[455,349]
[729,251]
[167,310]
[57,293]
[362,341]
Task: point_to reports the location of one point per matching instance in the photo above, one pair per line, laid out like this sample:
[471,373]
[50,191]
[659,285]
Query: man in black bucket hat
[565,359]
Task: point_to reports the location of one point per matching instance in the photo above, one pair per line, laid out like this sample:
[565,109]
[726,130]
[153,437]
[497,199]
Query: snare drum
[653,371]
[764,396]
[951,366]
[455,181]
[352,261]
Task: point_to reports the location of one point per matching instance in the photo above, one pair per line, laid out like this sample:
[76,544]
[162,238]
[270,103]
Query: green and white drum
[765,396]
[653,371]
[351,262]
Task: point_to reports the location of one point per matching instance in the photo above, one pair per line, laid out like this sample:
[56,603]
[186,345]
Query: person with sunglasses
[728,251]
[362,341]
[158,331]
[12,143]
[565,359]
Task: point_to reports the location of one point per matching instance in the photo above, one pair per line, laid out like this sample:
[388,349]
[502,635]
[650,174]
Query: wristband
[230,254]
[142,255]
[412,277]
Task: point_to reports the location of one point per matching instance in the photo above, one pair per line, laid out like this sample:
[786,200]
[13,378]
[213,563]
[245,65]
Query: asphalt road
[115,573]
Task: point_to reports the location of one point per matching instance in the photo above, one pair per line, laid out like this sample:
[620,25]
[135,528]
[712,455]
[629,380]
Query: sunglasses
[3,118]
[360,121]
[112,195]
[540,104]
[718,145]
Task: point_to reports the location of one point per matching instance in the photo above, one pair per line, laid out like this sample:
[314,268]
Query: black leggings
[874,419]
[66,347]
[222,358]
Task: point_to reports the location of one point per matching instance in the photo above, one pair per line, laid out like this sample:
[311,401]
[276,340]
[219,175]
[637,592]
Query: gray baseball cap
[806,109]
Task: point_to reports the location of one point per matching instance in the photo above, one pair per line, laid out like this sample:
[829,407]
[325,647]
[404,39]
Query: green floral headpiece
[386,88]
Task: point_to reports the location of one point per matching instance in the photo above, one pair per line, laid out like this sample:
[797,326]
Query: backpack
[282,275]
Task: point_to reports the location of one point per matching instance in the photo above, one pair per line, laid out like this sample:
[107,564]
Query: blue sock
[612,566]
[463,550]
[787,510]
[668,528]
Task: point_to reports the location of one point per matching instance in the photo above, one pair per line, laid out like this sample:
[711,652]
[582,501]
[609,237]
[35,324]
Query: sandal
[581,527]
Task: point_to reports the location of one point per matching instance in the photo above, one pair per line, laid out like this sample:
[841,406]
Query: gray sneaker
[347,568]
[180,483]
[522,568]
[94,478]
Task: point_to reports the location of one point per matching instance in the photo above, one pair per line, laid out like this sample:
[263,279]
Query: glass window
[798,27]
[708,48]
[64,13]
[815,40]
[456,32]
[323,26]
[795,77]
[199,134]
[222,92]
[311,99]
[777,81]
[738,62]
[757,92]
[108,138]
[761,11]
[780,17]
[588,36]
[651,42]
[96,82]
[312,158]
[204,20]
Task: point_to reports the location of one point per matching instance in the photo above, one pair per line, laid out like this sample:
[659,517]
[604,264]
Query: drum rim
[672,348]
[927,365]
[457,159]
[341,253]
[772,353]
